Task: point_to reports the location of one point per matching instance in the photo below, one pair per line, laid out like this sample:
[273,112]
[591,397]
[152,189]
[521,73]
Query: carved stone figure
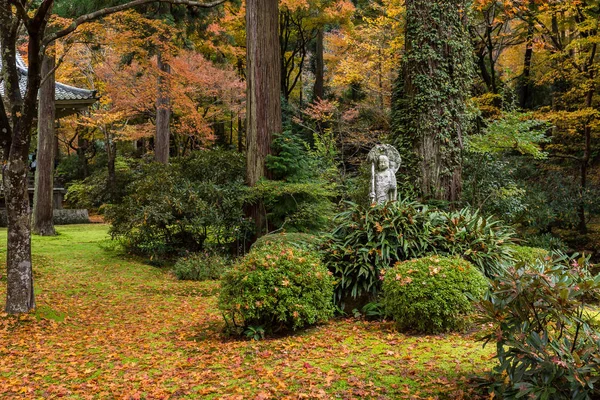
[385,182]
[385,161]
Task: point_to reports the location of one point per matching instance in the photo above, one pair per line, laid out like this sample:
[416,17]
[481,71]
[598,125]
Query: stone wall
[61,217]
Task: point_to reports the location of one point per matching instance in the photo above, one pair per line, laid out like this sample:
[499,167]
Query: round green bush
[524,255]
[200,267]
[306,241]
[277,287]
[431,295]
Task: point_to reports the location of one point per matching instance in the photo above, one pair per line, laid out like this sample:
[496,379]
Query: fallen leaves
[116,328]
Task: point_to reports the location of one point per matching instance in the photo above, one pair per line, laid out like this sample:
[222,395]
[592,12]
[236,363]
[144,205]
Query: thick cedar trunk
[431,110]
[43,206]
[319,88]
[263,91]
[163,113]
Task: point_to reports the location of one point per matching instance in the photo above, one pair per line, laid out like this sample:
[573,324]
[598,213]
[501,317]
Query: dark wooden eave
[69,99]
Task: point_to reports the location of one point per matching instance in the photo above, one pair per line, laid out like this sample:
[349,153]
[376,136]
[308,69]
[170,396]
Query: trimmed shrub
[200,267]
[304,241]
[539,319]
[276,287]
[432,294]
[524,255]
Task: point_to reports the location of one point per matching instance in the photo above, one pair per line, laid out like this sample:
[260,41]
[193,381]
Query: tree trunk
[526,89]
[430,114]
[240,135]
[43,205]
[23,110]
[587,151]
[163,113]
[82,146]
[319,88]
[111,155]
[263,91]
[19,279]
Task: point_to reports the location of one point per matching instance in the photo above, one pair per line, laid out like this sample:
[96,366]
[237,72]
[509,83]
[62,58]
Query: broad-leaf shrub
[432,294]
[538,317]
[277,287]
[369,239]
[94,191]
[201,266]
[182,206]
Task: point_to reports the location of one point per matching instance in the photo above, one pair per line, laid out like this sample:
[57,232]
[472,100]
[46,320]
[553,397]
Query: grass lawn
[110,327]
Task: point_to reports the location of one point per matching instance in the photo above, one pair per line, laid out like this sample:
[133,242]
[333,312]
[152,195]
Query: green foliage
[367,240]
[524,255]
[93,191]
[432,294]
[300,207]
[277,287]
[301,199]
[255,332]
[178,207]
[490,185]
[518,132]
[481,240]
[305,241]
[291,161]
[200,267]
[546,241]
[547,347]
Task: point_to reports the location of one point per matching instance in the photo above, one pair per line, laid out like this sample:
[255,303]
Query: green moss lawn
[111,327]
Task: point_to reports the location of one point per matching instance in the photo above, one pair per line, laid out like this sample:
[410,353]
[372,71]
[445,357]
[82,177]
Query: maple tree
[16,123]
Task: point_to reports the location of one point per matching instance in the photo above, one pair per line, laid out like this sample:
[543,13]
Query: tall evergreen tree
[430,114]
[263,91]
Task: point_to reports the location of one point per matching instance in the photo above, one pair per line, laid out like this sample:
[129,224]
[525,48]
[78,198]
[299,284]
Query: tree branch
[21,11]
[111,10]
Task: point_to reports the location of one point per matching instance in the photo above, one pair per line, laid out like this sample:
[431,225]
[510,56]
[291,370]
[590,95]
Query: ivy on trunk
[430,113]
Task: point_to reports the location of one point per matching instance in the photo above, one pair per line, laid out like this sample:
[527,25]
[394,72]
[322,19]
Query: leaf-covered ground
[110,327]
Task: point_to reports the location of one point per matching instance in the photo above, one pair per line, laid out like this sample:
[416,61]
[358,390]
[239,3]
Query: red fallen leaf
[308,366]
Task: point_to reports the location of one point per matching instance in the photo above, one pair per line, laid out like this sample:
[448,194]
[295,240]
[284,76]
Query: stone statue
[385,161]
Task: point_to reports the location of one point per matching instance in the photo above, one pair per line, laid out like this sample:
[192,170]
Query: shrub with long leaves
[547,346]
[478,239]
[369,239]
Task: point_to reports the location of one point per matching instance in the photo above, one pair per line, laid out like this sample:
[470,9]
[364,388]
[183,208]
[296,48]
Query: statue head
[383,164]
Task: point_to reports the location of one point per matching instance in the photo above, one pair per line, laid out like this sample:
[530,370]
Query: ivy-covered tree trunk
[430,113]
[263,91]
